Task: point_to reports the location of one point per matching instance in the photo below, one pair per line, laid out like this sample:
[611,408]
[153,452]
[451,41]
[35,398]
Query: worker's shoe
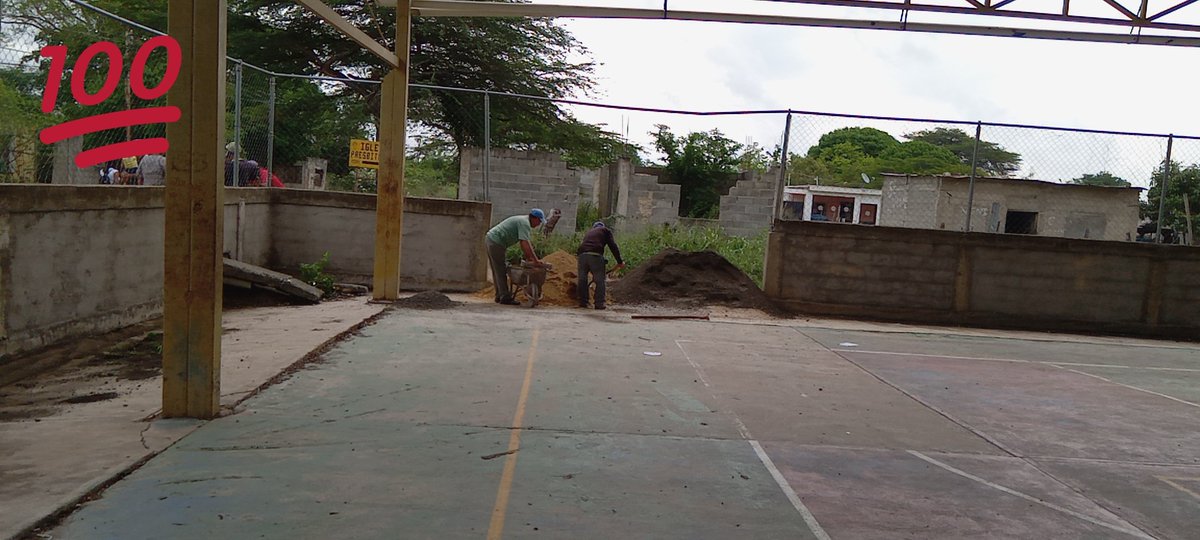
[583,306]
[601,307]
[509,302]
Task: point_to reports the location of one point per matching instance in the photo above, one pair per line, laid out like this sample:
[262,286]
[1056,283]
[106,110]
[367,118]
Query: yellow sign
[364,153]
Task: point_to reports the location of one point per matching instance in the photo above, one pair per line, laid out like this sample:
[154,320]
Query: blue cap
[598,224]
[538,213]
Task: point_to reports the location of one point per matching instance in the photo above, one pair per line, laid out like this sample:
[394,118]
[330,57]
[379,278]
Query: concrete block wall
[650,204]
[746,210]
[441,247]
[984,279]
[521,180]
[76,260]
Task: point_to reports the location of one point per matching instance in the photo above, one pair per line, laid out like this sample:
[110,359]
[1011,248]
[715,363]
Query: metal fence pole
[971,185]
[783,157]
[237,110]
[487,145]
[270,129]
[1162,190]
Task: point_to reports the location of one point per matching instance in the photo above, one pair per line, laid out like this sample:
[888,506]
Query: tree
[867,141]
[1183,180]
[991,158]
[841,157]
[527,56]
[1102,179]
[703,164]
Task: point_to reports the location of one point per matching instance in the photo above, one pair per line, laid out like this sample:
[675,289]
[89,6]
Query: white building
[831,203]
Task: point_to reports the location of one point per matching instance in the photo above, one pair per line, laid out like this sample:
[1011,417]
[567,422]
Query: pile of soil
[426,300]
[690,279]
[559,289]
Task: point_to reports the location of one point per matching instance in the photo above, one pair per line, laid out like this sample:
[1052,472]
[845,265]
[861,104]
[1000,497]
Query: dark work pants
[590,263]
[495,253]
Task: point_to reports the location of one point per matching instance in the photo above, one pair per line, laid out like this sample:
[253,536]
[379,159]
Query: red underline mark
[113,120]
[110,152]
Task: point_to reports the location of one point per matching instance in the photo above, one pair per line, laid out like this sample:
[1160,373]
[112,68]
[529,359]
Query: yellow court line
[496,529]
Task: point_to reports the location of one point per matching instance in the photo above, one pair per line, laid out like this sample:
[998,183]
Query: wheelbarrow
[528,278]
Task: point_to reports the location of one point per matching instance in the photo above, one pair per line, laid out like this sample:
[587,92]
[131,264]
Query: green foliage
[586,215]
[431,171]
[704,164]
[865,141]
[991,159]
[1183,180]
[314,274]
[842,156]
[745,253]
[1103,179]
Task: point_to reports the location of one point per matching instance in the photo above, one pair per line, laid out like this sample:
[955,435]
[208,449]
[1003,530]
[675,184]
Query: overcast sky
[713,66]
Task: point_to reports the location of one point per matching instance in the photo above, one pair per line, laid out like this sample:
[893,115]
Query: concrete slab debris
[257,275]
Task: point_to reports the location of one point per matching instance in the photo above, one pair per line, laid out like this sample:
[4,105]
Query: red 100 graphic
[100,122]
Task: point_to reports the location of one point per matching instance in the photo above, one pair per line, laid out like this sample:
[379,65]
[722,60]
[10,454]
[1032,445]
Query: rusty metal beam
[459,8]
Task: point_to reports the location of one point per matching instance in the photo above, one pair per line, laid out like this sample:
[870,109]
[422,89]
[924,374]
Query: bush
[314,274]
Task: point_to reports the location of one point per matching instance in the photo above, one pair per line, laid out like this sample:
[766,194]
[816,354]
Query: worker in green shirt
[506,233]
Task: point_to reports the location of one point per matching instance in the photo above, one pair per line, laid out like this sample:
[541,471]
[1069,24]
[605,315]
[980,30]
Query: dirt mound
[426,300]
[559,289]
[690,279]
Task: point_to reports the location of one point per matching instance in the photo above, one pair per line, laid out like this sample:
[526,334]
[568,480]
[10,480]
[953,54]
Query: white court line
[1084,517]
[809,519]
[695,366]
[805,514]
[1016,361]
[1131,387]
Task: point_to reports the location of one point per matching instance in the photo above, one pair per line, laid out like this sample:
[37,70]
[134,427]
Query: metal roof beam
[460,8]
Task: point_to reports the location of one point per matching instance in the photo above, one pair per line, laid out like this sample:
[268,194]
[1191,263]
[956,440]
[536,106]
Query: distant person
[109,173]
[506,233]
[592,261]
[273,181]
[239,172]
[153,170]
[129,170]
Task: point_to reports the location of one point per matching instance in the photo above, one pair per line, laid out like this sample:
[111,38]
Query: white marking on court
[805,514]
[1171,481]
[1131,387]
[1052,506]
[809,519]
[695,366]
[1017,361]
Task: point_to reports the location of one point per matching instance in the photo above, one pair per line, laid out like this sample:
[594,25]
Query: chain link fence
[898,172]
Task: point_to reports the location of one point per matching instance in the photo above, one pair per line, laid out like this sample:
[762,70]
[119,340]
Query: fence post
[237,110]
[971,185]
[782,181]
[487,145]
[1162,190]
[270,129]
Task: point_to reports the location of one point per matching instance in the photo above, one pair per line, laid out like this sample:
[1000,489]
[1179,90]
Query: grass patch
[745,253]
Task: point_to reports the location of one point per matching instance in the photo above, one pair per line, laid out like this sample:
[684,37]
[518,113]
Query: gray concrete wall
[910,202]
[746,210]
[1064,210]
[639,200]
[441,245]
[985,279]
[76,260]
[519,181]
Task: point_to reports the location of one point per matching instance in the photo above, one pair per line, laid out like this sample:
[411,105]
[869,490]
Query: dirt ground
[559,289]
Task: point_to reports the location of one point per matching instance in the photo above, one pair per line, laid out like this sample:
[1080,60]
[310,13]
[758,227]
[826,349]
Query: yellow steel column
[195,213]
[389,210]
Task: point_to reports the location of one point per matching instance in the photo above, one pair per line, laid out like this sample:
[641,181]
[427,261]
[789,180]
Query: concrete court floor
[738,430]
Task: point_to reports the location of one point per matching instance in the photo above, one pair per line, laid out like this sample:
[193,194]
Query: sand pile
[426,300]
[690,279]
[559,289]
